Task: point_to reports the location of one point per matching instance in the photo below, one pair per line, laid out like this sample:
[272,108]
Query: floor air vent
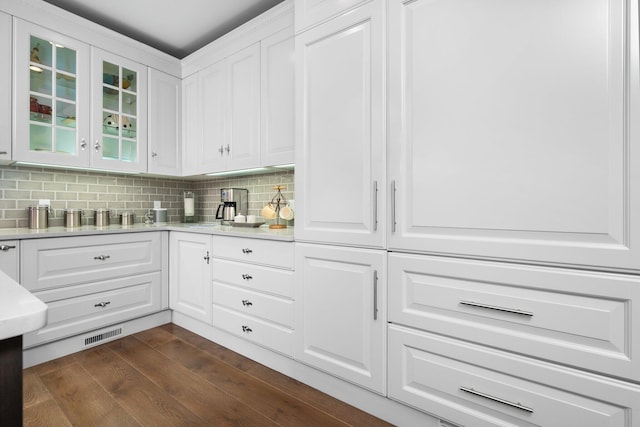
[101,337]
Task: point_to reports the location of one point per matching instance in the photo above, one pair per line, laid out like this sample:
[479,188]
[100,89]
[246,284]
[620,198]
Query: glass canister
[189,206]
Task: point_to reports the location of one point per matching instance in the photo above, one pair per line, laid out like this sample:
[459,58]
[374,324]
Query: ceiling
[176,27]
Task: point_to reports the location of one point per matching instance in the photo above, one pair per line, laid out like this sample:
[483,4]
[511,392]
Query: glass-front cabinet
[119,125]
[52,97]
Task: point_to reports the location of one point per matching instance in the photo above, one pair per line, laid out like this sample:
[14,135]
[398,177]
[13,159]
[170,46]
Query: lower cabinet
[89,282]
[340,312]
[478,386]
[10,259]
[190,275]
[253,291]
[492,344]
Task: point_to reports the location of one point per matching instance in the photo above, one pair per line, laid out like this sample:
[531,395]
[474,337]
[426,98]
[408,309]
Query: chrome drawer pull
[246,329]
[247,276]
[247,303]
[102,304]
[207,257]
[247,251]
[102,257]
[497,399]
[5,248]
[497,308]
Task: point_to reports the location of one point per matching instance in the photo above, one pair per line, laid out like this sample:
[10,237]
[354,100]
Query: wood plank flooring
[168,376]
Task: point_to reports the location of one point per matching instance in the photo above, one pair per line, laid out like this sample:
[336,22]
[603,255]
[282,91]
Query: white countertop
[20,311]
[262,232]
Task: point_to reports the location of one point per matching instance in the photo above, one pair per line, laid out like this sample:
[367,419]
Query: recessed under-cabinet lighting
[45,165]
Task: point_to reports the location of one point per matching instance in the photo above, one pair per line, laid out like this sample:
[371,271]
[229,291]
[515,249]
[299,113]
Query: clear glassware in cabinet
[119,113]
[52,104]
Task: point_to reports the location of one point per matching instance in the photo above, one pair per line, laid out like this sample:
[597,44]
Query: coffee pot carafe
[226,211]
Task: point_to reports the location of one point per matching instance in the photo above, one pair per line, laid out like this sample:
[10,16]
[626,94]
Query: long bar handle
[375,294]
[517,405]
[5,248]
[497,308]
[393,206]
[375,205]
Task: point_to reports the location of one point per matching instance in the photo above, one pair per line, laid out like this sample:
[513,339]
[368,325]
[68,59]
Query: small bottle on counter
[189,207]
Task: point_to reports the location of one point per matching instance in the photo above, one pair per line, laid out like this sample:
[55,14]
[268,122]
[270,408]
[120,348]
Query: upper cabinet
[522,147]
[165,133]
[119,113]
[340,129]
[277,113]
[51,97]
[5,87]
[312,12]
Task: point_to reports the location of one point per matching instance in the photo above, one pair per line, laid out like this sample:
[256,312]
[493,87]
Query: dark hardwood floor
[168,376]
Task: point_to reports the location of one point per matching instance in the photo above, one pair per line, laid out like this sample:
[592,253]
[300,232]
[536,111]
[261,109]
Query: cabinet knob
[5,248]
[246,329]
[154,154]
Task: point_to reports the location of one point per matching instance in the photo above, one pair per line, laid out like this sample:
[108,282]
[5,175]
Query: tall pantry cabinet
[5,87]
[513,134]
[340,175]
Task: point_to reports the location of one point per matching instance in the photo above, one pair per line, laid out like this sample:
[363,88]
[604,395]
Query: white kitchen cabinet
[10,258]
[253,291]
[91,282]
[6,37]
[340,129]
[226,105]
[311,12]
[51,100]
[507,147]
[341,315]
[277,113]
[165,119]
[479,386]
[242,145]
[203,118]
[190,275]
[119,113]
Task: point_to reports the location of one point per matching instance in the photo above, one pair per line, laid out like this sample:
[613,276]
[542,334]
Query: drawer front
[253,329]
[266,307]
[255,277]
[51,263]
[258,251]
[580,318]
[476,386]
[121,299]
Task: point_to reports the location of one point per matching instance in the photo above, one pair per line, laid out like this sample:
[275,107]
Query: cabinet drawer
[266,307]
[50,263]
[120,299]
[258,251]
[259,331]
[580,318]
[261,279]
[476,386]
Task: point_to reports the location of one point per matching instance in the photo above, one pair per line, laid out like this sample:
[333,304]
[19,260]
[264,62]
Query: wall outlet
[44,202]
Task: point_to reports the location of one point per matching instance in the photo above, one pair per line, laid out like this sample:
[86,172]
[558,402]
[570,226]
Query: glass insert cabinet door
[119,125]
[52,99]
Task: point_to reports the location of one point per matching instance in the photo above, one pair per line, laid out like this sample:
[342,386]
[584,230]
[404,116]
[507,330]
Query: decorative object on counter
[240,219]
[252,221]
[159,215]
[101,217]
[38,217]
[189,199]
[148,218]
[234,201]
[274,209]
[72,218]
[127,219]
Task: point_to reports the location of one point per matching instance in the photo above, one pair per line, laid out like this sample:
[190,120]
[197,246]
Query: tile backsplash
[23,186]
